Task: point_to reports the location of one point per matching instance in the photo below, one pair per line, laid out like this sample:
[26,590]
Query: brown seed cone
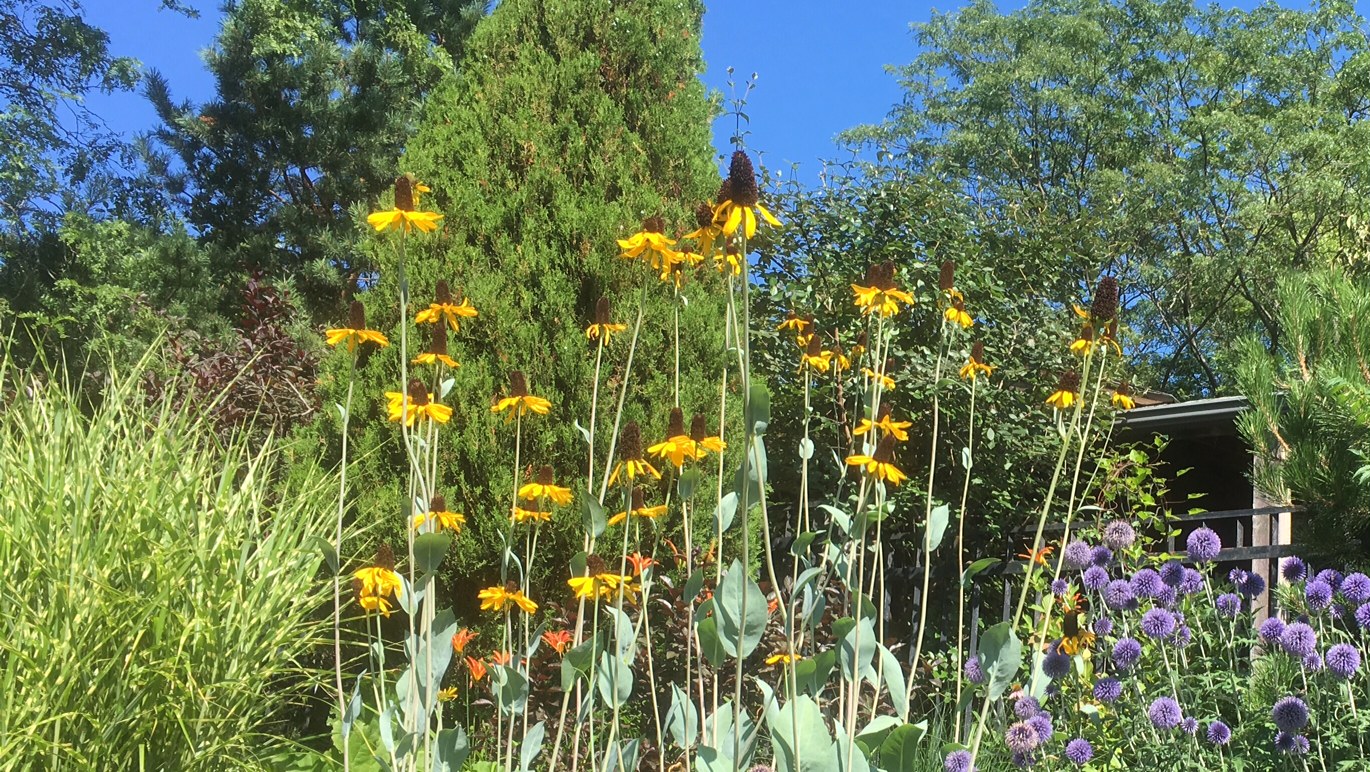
[742,180]
[1069,381]
[704,214]
[884,452]
[947,279]
[675,425]
[977,352]
[699,428]
[418,394]
[545,475]
[654,224]
[404,193]
[518,385]
[1105,306]
[884,411]
[725,191]
[639,500]
[437,504]
[595,565]
[814,347]
[437,344]
[357,315]
[442,292]
[602,311]
[384,557]
[630,442]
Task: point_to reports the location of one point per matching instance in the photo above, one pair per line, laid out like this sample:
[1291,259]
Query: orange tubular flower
[444,308]
[502,658]
[640,563]
[403,215]
[881,465]
[461,638]
[418,403]
[520,402]
[355,333]
[1039,557]
[559,640]
[476,667]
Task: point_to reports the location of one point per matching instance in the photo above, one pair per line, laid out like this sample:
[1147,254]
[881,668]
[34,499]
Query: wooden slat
[1226,514]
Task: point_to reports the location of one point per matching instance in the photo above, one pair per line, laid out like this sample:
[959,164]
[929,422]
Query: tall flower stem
[961,556]
[927,500]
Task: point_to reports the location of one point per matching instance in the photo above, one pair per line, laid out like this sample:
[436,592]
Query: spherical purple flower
[1356,587]
[1126,652]
[1172,573]
[1313,663]
[1101,556]
[1295,744]
[1193,582]
[1164,713]
[1079,751]
[1027,707]
[1059,587]
[1343,660]
[1158,623]
[1146,583]
[1332,576]
[1293,569]
[1236,576]
[1204,545]
[1363,616]
[1041,724]
[1183,635]
[973,670]
[1318,594]
[1021,737]
[1118,594]
[1219,733]
[1023,760]
[1108,690]
[1229,604]
[1095,578]
[1271,630]
[1077,555]
[1252,586]
[1119,535]
[1299,640]
[1056,663]
[1103,626]
[957,761]
[1290,714]
[1190,725]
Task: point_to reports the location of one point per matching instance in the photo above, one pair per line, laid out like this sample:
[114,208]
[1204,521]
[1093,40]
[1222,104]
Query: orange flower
[558,639]
[640,563]
[1039,557]
[462,637]
[501,658]
[476,667]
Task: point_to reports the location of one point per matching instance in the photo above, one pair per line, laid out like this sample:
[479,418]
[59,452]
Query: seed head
[814,347]
[545,475]
[654,224]
[1105,306]
[639,501]
[704,214]
[518,385]
[404,193]
[602,310]
[725,191]
[418,394]
[438,343]
[1069,381]
[947,279]
[442,292]
[630,442]
[698,428]
[884,452]
[742,180]
[675,425]
[384,557]
[977,352]
[595,565]
[437,504]
[357,315]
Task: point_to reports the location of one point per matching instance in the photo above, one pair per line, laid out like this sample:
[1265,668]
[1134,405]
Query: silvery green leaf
[532,745]
[727,509]
[937,525]
[447,384]
[682,721]
[584,433]
[806,448]
[614,679]
[1002,655]
[450,750]
[354,707]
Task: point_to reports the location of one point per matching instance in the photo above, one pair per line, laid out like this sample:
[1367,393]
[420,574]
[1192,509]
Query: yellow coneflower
[840,362]
[783,658]
[448,694]
[445,307]
[794,322]
[651,246]
[729,260]
[743,204]
[520,402]
[377,583]
[704,442]
[677,446]
[805,332]
[355,333]
[1084,342]
[975,363]
[881,465]
[499,598]
[543,488]
[418,403]
[879,294]
[859,349]
[1110,337]
[1122,397]
[886,425]
[1075,637]
[631,463]
[708,234]
[403,215]
[946,282]
[639,509]
[600,583]
[603,327]
[521,515]
[437,350]
[440,517]
[814,357]
[1067,391]
[885,381]
[956,312]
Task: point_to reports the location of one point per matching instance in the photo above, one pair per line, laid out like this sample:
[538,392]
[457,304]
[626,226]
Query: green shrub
[160,588]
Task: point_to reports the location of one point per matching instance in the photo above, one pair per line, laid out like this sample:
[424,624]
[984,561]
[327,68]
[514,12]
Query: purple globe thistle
[1079,751]
[957,761]
[1294,744]
[1229,604]
[1183,635]
[1204,545]
[1101,556]
[1126,652]
[1190,725]
[1041,724]
[1172,573]
[1056,663]
[1363,616]
[1059,587]
[1356,587]
[1108,690]
[1146,583]
[1270,630]
[1103,626]
[1077,555]
[1290,714]
[1313,663]
[1338,612]
[1332,576]
[1293,569]
[1219,733]
[1158,623]
[1251,586]
[1193,582]
[1026,707]
[1023,760]
[1298,639]
[1318,593]
[1118,594]
[1119,535]
[1095,578]
[1164,713]
[1021,737]
[1343,660]
[973,670]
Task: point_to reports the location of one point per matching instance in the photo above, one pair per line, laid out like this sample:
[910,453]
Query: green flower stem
[927,499]
[337,579]
[961,558]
